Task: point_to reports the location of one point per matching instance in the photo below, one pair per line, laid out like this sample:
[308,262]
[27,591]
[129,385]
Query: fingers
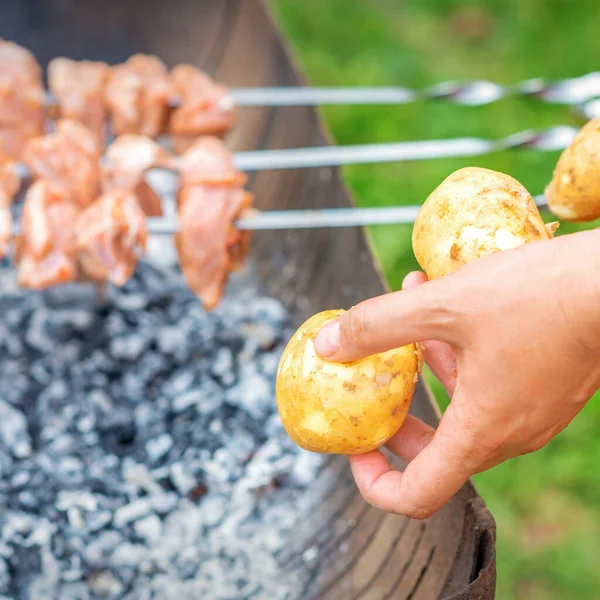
[390,321]
[434,474]
[439,357]
[411,438]
[376,481]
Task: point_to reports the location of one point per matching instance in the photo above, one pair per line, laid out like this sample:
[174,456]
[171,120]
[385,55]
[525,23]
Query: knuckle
[424,439]
[537,443]
[354,325]
[419,513]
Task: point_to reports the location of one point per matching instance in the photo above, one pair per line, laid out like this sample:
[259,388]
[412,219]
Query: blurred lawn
[547,505]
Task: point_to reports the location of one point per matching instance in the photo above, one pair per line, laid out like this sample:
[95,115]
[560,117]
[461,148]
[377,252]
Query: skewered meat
[14,139]
[69,158]
[136,94]
[79,89]
[9,186]
[208,160]
[209,247]
[127,159]
[109,234]
[206,107]
[21,98]
[210,198]
[46,249]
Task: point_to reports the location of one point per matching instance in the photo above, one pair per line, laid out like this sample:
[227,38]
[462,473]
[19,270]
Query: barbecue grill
[380,556]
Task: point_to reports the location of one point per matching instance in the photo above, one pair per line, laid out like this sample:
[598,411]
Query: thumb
[437,472]
[426,312]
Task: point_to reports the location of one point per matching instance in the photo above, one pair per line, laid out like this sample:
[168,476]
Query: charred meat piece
[136,94]
[207,160]
[208,245]
[69,158]
[109,234]
[127,160]
[47,253]
[206,107]
[9,186]
[21,98]
[79,89]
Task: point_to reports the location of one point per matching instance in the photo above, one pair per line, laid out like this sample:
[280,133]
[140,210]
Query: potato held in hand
[339,408]
[574,192]
[472,213]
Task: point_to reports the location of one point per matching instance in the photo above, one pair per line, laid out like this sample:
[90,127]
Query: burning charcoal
[131,512]
[184,524]
[128,555]
[157,448]
[182,480]
[223,362]
[4,576]
[28,500]
[139,476]
[180,382]
[101,546]
[86,424]
[163,503]
[67,499]
[37,335]
[128,347]
[149,529]
[214,508]
[132,302]
[105,585]
[268,363]
[306,468]
[253,393]
[172,340]
[14,437]
[75,591]
[20,479]
[98,520]
[205,399]
[70,470]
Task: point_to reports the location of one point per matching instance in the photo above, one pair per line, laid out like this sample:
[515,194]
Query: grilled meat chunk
[127,160]
[206,107]
[21,99]
[69,158]
[109,234]
[136,94]
[47,254]
[208,245]
[79,89]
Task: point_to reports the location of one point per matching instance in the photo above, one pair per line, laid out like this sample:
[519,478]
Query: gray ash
[141,455]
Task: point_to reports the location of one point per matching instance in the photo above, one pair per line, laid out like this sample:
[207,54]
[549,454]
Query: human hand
[516,344]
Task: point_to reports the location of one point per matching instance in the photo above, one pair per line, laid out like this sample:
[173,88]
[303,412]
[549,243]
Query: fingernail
[327,342]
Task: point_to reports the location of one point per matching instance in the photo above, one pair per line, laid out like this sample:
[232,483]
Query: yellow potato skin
[343,408]
[574,192]
[472,213]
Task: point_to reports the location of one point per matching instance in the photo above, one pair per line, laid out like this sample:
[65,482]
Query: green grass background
[547,505]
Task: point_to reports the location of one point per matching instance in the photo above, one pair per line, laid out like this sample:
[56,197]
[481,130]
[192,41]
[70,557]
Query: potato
[343,408]
[472,213]
[574,192]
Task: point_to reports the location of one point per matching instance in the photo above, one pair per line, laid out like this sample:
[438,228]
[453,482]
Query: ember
[143,456]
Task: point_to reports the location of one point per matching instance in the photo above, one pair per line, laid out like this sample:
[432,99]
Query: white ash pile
[141,454]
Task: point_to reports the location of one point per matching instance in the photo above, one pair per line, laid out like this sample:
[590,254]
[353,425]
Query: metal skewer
[570,91]
[554,138]
[305,219]
[313,218]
